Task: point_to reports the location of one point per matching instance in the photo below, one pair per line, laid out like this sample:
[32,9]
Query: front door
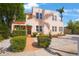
[29,29]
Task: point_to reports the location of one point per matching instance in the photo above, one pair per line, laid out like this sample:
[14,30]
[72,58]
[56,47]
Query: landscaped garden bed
[34,34]
[18,43]
[43,40]
[18,33]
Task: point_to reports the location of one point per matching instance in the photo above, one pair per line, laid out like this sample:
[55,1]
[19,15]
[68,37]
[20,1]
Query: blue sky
[71,10]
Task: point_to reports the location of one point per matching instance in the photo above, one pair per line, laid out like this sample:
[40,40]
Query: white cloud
[77,10]
[77,19]
[30,5]
[67,10]
[65,13]
[33,5]
[71,10]
[71,14]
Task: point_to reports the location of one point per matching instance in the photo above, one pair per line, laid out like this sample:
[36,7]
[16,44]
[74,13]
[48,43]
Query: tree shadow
[64,51]
[35,44]
[3,50]
[51,52]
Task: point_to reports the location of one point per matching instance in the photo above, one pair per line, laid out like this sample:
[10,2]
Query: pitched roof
[19,22]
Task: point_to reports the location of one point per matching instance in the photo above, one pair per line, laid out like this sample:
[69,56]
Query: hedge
[34,34]
[18,43]
[44,41]
[1,38]
[18,33]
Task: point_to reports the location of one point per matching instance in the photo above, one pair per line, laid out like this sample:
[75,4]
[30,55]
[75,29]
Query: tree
[61,10]
[76,23]
[71,26]
[9,12]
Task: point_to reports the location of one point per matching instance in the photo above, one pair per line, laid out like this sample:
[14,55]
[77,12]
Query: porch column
[12,28]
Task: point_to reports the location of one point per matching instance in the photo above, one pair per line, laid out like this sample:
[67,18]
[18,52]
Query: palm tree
[61,10]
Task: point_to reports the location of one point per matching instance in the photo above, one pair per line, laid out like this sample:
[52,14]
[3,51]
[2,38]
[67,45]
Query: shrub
[1,38]
[34,34]
[55,36]
[4,30]
[18,33]
[18,43]
[43,41]
[50,36]
[5,35]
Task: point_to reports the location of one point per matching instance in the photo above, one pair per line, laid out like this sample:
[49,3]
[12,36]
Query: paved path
[5,43]
[29,44]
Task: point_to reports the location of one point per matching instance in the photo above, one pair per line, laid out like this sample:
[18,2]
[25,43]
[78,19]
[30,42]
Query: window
[61,29]
[39,15]
[39,28]
[54,28]
[54,17]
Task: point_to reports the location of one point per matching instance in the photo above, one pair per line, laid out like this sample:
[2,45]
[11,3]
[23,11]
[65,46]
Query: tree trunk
[61,17]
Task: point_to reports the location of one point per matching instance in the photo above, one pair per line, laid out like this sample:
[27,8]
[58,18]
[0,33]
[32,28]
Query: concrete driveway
[67,44]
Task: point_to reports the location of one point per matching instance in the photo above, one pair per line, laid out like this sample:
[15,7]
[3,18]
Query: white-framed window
[39,28]
[54,17]
[54,28]
[39,15]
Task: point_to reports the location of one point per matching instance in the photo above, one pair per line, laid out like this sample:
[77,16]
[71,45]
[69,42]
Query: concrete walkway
[5,43]
[29,44]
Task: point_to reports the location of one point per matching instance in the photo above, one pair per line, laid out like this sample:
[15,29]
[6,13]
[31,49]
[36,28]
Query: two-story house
[44,21]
